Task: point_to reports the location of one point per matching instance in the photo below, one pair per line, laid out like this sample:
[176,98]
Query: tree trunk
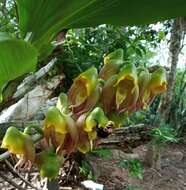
[153,157]
[174,50]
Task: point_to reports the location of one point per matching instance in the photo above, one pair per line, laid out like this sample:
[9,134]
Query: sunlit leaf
[16,58]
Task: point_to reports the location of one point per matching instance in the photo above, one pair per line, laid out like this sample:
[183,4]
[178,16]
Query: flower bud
[49,164]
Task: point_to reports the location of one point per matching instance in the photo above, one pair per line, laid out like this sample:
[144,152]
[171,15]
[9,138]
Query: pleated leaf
[45,18]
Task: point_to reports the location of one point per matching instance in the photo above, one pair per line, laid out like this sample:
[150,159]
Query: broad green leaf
[16,58]
[45,18]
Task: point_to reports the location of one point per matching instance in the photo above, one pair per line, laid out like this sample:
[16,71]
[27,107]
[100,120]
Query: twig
[15,173]
[10,182]
[28,82]
[26,178]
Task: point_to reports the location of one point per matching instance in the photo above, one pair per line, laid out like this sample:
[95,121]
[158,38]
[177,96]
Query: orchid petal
[158,83]
[56,120]
[108,94]
[62,103]
[144,78]
[127,88]
[83,86]
[112,63]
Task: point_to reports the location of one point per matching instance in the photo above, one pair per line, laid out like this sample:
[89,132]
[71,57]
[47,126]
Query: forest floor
[172,175]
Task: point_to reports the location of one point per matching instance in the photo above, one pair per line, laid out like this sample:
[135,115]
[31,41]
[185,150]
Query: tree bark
[174,50]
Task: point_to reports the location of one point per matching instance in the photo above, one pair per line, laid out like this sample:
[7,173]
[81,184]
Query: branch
[16,174]
[126,138]
[28,84]
[26,108]
[11,182]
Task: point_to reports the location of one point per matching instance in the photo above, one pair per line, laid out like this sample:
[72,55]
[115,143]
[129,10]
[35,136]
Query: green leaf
[45,18]
[102,152]
[16,58]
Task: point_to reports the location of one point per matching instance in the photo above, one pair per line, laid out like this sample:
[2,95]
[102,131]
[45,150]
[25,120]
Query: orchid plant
[94,101]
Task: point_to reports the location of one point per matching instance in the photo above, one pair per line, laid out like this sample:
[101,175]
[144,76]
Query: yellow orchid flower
[83,86]
[87,124]
[112,63]
[63,104]
[108,94]
[84,144]
[55,127]
[150,84]
[127,91]
[71,138]
[144,78]
[158,82]
[49,164]
[54,119]
[90,102]
[19,143]
[95,118]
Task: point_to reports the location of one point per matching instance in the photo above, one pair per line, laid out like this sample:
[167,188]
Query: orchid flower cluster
[95,100]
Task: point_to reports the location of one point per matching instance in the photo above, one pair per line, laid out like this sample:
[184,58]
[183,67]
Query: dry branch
[16,174]
[27,107]
[28,84]
[126,138]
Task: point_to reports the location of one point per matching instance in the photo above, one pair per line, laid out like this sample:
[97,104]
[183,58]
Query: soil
[172,175]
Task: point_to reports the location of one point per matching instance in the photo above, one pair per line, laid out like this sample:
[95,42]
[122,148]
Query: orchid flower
[144,78]
[87,124]
[108,95]
[83,87]
[55,126]
[158,82]
[90,102]
[112,63]
[19,143]
[96,118]
[127,90]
